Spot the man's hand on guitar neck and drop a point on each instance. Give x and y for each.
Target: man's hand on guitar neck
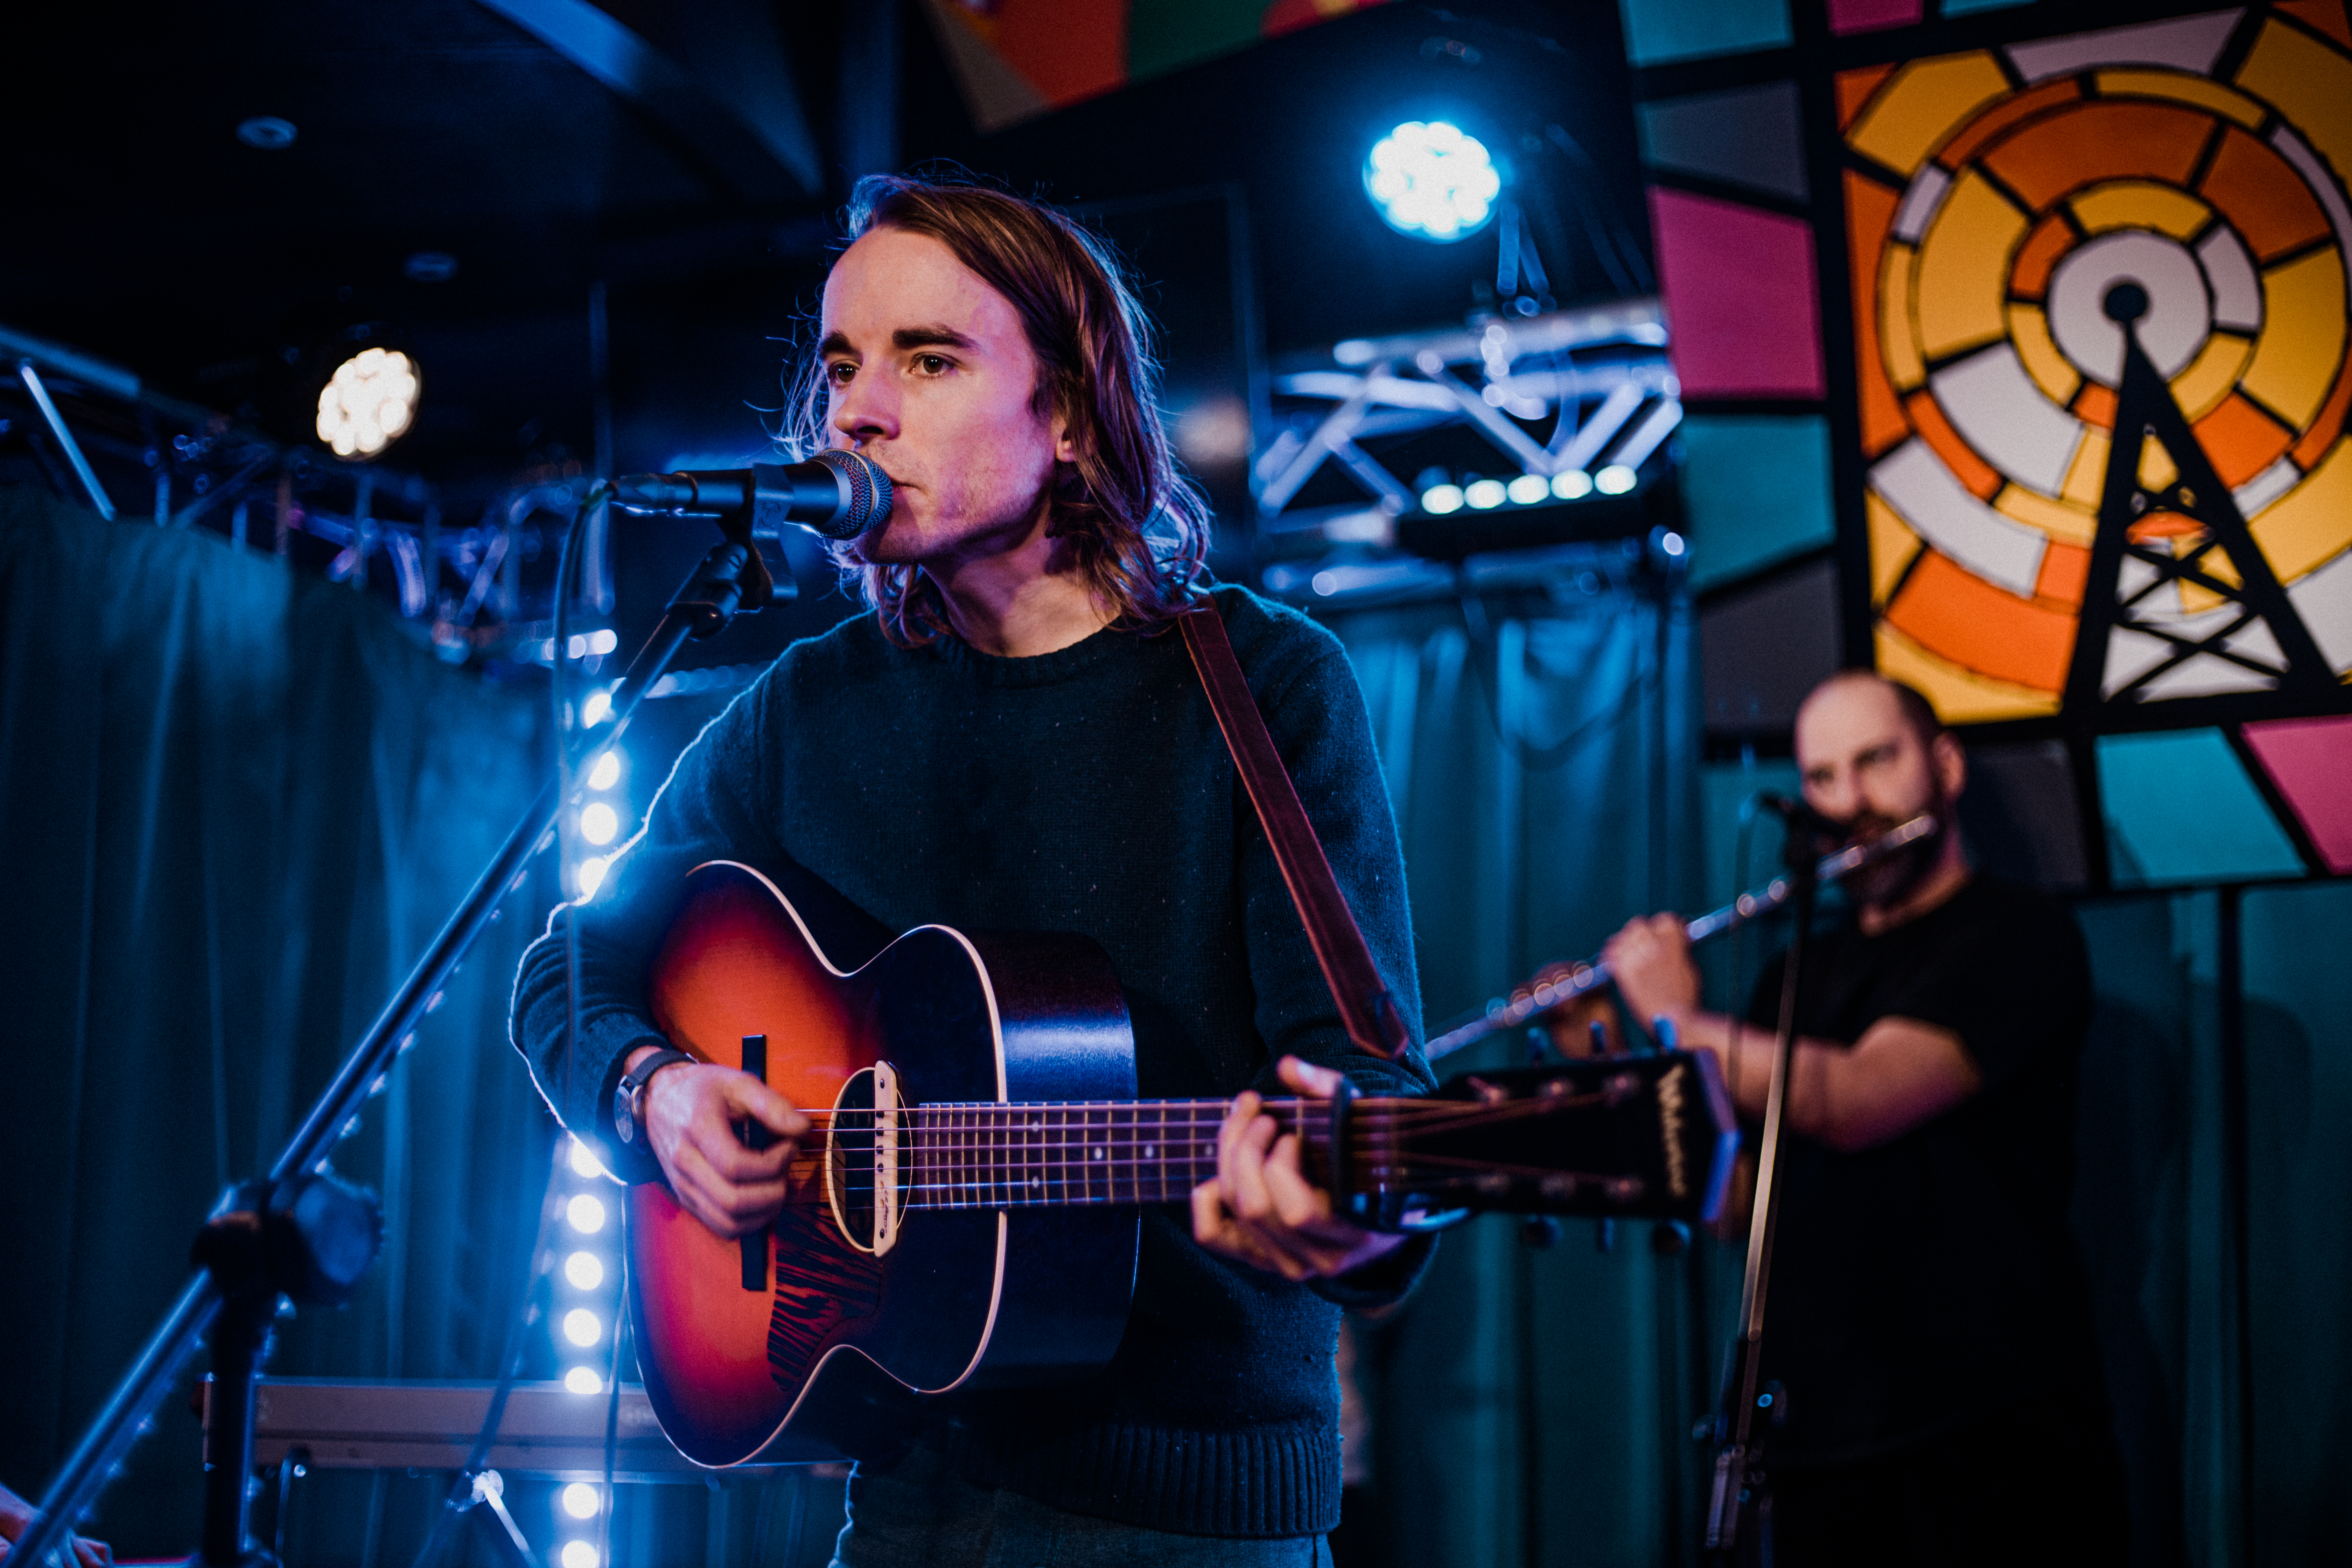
(1262, 1210)
(691, 1112)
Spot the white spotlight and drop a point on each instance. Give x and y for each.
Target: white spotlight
(1439, 499)
(584, 1270)
(582, 1327)
(1573, 485)
(1528, 489)
(583, 1161)
(584, 1379)
(606, 771)
(1613, 480)
(587, 1215)
(367, 402)
(579, 1554)
(581, 1501)
(590, 874)
(1485, 494)
(1432, 182)
(598, 822)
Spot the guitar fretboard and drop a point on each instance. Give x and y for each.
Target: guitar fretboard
(1010, 1156)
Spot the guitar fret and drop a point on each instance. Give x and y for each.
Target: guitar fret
(994, 1155)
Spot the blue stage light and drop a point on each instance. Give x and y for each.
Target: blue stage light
(1439, 499)
(1432, 182)
(1528, 489)
(1613, 480)
(1484, 495)
(1573, 484)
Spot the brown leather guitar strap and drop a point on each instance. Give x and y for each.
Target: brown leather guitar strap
(1365, 1006)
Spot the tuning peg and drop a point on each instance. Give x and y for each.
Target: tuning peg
(1539, 1231)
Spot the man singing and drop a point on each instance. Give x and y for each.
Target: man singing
(1928, 1321)
(1013, 737)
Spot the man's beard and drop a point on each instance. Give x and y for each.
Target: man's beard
(1894, 876)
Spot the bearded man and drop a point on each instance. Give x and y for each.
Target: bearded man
(1013, 738)
(1928, 1327)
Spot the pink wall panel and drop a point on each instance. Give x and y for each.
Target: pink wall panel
(2310, 760)
(1869, 15)
(1740, 298)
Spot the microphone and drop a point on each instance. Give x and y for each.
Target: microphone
(836, 494)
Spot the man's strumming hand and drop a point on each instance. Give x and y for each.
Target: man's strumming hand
(1261, 1208)
(691, 1109)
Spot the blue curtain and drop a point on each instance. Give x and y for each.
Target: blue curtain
(1534, 1405)
(235, 803)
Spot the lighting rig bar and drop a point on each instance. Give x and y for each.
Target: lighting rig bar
(1572, 403)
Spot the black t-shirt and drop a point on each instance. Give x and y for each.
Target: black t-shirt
(1923, 1283)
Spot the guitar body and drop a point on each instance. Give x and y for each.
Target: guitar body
(836, 1354)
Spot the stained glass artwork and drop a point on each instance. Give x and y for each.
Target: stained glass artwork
(2146, 224)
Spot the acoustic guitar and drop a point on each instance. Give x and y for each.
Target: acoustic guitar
(964, 1211)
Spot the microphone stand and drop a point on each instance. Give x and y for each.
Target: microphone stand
(299, 1231)
(1741, 1489)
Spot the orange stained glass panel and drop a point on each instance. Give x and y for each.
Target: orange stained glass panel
(1869, 214)
(2007, 112)
(2240, 440)
(2095, 405)
(1855, 88)
(1952, 612)
(2261, 195)
(1983, 481)
(2050, 239)
(2326, 426)
(2065, 569)
(2095, 142)
(2325, 16)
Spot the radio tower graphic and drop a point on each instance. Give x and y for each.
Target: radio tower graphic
(2185, 529)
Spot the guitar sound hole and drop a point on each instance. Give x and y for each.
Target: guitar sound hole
(852, 1160)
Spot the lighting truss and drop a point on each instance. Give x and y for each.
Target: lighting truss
(1561, 397)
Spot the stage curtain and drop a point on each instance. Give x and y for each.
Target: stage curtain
(1534, 1405)
(235, 803)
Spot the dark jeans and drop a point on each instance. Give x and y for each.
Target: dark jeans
(921, 1514)
(2040, 1482)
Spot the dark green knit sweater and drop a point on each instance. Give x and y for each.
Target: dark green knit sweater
(1089, 791)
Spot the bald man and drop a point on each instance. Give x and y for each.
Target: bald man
(1928, 1321)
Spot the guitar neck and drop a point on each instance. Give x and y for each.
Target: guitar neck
(1050, 1154)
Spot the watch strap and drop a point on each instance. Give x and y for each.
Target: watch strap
(625, 1124)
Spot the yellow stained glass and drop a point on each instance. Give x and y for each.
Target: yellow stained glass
(2088, 475)
(2202, 91)
(1959, 696)
(1926, 102)
(1898, 334)
(2068, 524)
(1963, 275)
(1892, 546)
(2156, 466)
(2141, 203)
(2311, 85)
(2052, 371)
(2211, 375)
(2312, 522)
(2302, 343)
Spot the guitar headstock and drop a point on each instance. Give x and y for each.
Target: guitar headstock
(1607, 1137)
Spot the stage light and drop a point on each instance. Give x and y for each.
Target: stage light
(1575, 484)
(1485, 495)
(1673, 543)
(367, 402)
(584, 1379)
(595, 708)
(598, 822)
(579, 1554)
(582, 1327)
(1528, 489)
(587, 1215)
(1439, 499)
(606, 771)
(1432, 182)
(1613, 480)
(590, 874)
(584, 1270)
(581, 1501)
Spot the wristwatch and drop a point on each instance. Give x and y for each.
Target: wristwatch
(629, 1094)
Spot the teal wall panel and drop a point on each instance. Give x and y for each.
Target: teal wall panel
(1657, 31)
(1756, 489)
(2179, 808)
(1751, 136)
(1963, 7)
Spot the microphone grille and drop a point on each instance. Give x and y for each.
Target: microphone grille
(869, 493)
